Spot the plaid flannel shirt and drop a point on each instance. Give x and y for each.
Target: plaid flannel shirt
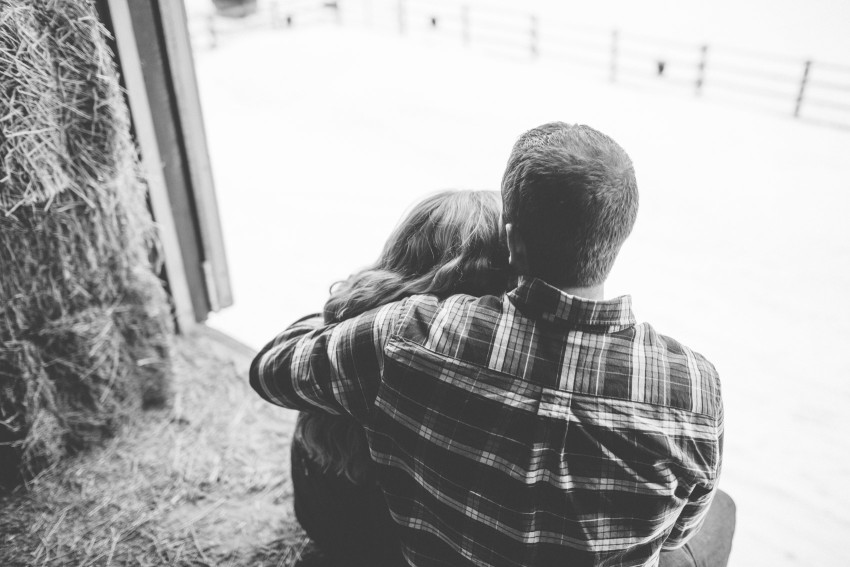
(536, 428)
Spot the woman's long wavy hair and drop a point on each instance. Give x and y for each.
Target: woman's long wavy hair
(447, 244)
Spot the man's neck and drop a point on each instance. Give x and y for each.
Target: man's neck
(596, 292)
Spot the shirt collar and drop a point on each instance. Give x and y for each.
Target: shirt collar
(536, 297)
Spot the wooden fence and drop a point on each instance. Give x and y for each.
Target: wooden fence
(816, 91)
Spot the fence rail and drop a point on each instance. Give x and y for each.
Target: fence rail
(806, 89)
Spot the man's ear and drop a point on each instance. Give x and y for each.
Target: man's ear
(517, 254)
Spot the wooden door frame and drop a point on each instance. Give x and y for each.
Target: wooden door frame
(154, 56)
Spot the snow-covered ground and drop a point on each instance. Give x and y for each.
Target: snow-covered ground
(320, 137)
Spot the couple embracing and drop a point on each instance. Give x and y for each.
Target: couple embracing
(473, 399)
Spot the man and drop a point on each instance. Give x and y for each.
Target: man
(543, 427)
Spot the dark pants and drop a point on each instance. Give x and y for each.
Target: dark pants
(351, 525)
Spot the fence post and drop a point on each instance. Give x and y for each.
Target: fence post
(615, 40)
(535, 51)
(401, 18)
(464, 21)
(212, 30)
(803, 81)
(701, 68)
(337, 12)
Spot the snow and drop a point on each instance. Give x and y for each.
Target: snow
(320, 137)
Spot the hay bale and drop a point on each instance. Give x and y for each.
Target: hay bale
(29, 125)
(85, 330)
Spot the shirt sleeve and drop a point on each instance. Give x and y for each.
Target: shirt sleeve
(693, 515)
(335, 368)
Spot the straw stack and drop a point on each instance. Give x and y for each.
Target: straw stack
(85, 324)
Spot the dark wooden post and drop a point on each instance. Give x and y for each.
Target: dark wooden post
(806, 68)
(701, 68)
(464, 23)
(535, 37)
(615, 40)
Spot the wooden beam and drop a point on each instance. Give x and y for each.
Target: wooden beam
(189, 112)
(146, 137)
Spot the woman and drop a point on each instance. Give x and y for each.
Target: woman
(447, 244)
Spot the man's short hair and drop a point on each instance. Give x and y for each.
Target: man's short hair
(571, 192)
